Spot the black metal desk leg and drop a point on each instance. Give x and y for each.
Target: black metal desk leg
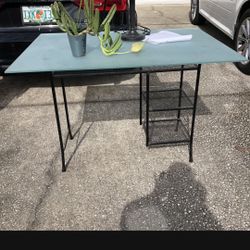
(147, 109)
(58, 122)
(180, 96)
(194, 113)
(66, 109)
(140, 98)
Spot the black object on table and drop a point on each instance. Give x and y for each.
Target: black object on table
(132, 34)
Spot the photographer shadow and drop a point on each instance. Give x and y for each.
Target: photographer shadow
(176, 204)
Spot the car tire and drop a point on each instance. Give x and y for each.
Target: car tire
(194, 16)
(242, 42)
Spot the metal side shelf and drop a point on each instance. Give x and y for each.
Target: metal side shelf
(163, 127)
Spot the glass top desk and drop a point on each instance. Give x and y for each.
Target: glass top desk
(55, 58)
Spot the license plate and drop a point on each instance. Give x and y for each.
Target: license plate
(37, 15)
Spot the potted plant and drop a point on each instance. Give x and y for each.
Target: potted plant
(76, 29)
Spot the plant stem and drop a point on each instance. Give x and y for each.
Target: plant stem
(79, 12)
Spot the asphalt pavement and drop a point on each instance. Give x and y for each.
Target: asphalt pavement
(113, 181)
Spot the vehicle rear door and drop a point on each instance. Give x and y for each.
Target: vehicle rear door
(224, 13)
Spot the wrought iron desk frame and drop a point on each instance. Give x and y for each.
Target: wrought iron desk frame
(140, 71)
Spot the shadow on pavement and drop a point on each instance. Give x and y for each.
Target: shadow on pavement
(14, 86)
(177, 203)
(9, 91)
(121, 102)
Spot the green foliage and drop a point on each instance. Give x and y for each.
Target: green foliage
(67, 24)
(92, 17)
(108, 45)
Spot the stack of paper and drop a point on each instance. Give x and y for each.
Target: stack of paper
(166, 37)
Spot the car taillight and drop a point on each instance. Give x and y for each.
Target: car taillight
(101, 4)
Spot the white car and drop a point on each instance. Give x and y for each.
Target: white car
(232, 17)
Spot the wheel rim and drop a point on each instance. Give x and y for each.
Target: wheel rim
(243, 39)
(194, 8)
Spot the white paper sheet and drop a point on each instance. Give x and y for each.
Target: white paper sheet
(166, 37)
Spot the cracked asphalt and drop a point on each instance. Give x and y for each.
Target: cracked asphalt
(113, 182)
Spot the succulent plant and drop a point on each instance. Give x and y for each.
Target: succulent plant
(67, 24)
(108, 44)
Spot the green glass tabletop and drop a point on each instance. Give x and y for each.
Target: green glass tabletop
(51, 53)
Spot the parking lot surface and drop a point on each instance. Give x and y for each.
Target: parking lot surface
(113, 181)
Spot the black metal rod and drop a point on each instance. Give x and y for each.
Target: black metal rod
(194, 113)
(58, 122)
(147, 108)
(168, 90)
(66, 109)
(119, 71)
(164, 120)
(172, 109)
(140, 98)
(132, 34)
(132, 15)
(185, 130)
(163, 90)
(180, 97)
(169, 142)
